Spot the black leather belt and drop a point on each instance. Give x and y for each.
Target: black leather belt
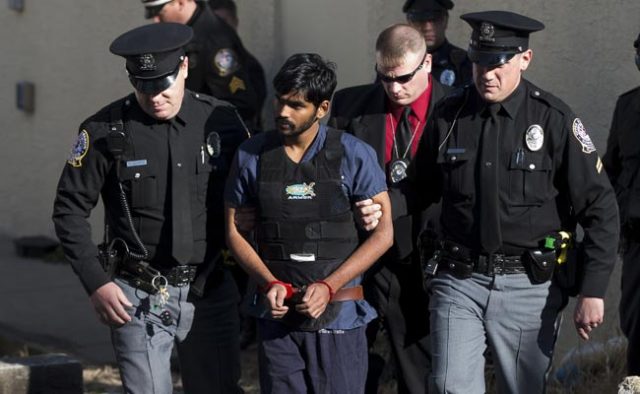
(453, 254)
(141, 275)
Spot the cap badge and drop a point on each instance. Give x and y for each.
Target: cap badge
(448, 77)
(534, 137)
(487, 32)
(583, 138)
(146, 62)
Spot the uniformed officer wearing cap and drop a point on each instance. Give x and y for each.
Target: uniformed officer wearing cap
(158, 158)
(219, 64)
(450, 64)
(513, 166)
(622, 162)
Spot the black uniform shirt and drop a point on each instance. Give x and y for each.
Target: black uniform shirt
(450, 65)
(545, 185)
(145, 174)
(220, 66)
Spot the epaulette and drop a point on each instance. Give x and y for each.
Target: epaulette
(632, 91)
(214, 102)
(549, 99)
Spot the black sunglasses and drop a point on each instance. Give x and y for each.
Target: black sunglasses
(401, 79)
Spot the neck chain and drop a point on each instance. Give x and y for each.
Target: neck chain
(395, 144)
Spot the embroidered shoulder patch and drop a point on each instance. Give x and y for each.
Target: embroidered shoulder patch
(80, 149)
(583, 138)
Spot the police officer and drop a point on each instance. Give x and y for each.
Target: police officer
(513, 166)
(219, 64)
(622, 162)
(308, 261)
(390, 115)
(450, 64)
(157, 157)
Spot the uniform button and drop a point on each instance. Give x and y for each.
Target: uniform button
(455, 249)
(137, 175)
(536, 93)
(454, 158)
(488, 164)
(127, 102)
(452, 266)
(532, 166)
(179, 165)
(197, 95)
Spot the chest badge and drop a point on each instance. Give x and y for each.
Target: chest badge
(300, 191)
(448, 77)
(214, 144)
(534, 137)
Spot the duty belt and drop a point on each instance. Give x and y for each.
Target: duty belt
(141, 275)
(491, 265)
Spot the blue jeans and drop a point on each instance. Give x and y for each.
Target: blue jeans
(143, 345)
(518, 320)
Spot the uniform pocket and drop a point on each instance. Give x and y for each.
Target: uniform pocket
(203, 174)
(457, 173)
(141, 186)
(529, 178)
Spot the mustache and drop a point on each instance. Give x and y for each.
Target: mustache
(284, 121)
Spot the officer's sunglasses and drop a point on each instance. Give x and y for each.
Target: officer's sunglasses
(401, 79)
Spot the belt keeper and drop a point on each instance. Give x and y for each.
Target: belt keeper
(287, 286)
(331, 292)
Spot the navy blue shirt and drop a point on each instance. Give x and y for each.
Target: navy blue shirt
(362, 178)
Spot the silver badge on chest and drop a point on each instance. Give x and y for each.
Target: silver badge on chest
(534, 137)
(398, 170)
(214, 144)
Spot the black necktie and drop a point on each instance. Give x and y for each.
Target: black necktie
(403, 135)
(489, 220)
(182, 231)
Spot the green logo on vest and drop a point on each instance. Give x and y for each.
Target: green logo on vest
(300, 191)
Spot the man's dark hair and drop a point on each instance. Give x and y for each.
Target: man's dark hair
(308, 74)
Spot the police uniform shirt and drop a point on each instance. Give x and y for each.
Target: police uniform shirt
(219, 64)
(547, 166)
(145, 172)
(362, 178)
(450, 65)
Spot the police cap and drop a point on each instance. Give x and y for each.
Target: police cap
(498, 35)
(420, 10)
(153, 54)
(153, 7)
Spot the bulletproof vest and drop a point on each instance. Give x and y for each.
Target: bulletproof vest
(304, 211)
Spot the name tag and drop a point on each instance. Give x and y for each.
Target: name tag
(136, 163)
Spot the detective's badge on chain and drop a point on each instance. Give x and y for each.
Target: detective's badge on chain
(79, 150)
(534, 137)
(398, 170)
(583, 138)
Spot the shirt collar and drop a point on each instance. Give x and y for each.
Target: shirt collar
(511, 104)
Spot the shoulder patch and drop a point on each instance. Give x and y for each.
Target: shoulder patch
(236, 84)
(583, 138)
(225, 62)
(79, 150)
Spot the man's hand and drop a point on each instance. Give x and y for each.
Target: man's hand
(589, 313)
(368, 214)
(245, 219)
(315, 300)
(275, 298)
(110, 302)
